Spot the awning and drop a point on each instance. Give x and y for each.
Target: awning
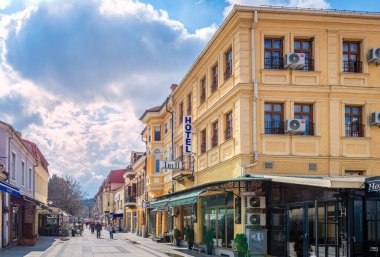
(159, 203)
(8, 188)
(320, 181)
(187, 198)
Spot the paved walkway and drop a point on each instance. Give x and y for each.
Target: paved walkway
(123, 244)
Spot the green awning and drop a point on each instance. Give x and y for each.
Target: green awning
(159, 203)
(187, 198)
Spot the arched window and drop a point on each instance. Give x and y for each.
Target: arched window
(157, 161)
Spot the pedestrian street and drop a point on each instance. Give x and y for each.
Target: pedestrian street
(81, 246)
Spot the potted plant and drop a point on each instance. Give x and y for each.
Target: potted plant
(177, 236)
(209, 241)
(190, 237)
(240, 245)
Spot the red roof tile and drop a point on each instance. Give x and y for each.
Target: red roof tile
(116, 176)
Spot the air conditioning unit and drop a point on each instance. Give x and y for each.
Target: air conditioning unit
(256, 202)
(295, 126)
(374, 119)
(374, 55)
(256, 219)
(294, 61)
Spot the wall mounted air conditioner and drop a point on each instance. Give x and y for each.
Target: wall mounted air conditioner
(256, 219)
(294, 61)
(374, 55)
(256, 202)
(295, 126)
(374, 119)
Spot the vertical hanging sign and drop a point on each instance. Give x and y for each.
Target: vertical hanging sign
(187, 130)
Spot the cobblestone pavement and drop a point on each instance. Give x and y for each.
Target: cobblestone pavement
(82, 246)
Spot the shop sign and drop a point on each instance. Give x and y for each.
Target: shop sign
(248, 194)
(372, 186)
(171, 165)
(187, 130)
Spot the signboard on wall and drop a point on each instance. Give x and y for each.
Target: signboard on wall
(171, 165)
(372, 187)
(187, 134)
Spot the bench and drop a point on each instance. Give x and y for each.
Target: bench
(199, 248)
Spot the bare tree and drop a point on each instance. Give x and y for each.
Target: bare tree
(66, 194)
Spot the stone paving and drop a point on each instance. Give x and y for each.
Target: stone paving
(89, 246)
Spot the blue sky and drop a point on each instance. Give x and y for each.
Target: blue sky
(75, 75)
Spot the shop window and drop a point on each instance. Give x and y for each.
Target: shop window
(354, 172)
(203, 91)
(373, 221)
(305, 111)
(354, 126)
(274, 116)
(214, 85)
(305, 46)
(228, 131)
(214, 139)
(228, 59)
(273, 54)
(351, 57)
(157, 132)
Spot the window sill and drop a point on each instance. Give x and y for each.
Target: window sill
(356, 138)
(358, 74)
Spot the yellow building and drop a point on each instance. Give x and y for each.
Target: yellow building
(118, 209)
(285, 107)
(135, 194)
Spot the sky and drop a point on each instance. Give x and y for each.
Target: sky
(76, 75)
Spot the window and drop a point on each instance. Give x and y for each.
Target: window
(214, 139)
(273, 54)
(165, 127)
(228, 132)
(23, 173)
(30, 178)
(353, 121)
(305, 111)
(351, 57)
(13, 165)
(228, 57)
(203, 141)
(214, 85)
(181, 113)
(274, 115)
(305, 46)
(157, 132)
(203, 90)
(180, 153)
(157, 161)
(189, 104)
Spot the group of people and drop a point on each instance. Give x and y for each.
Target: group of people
(98, 227)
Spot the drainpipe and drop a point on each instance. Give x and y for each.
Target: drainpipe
(255, 97)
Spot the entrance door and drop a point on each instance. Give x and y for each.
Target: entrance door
(297, 233)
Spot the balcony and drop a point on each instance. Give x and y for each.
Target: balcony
(274, 127)
(352, 66)
(187, 170)
(274, 63)
(355, 129)
(130, 201)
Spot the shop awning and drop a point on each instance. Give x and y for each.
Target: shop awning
(320, 181)
(159, 203)
(186, 198)
(8, 188)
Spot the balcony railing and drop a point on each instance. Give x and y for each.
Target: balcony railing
(354, 129)
(309, 129)
(309, 65)
(129, 199)
(203, 147)
(214, 141)
(187, 162)
(352, 66)
(274, 63)
(228, 133)
(274, 127)
(227, 73)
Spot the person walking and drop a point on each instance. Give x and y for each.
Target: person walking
(110, 230)
(92, 227)
(98, 228)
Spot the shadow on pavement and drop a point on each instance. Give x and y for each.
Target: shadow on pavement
(41, 246)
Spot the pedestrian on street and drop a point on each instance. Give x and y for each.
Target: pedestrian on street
(98, 228)
(110, 230)
(92, 227)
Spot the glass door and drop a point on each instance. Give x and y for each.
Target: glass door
(296, 231)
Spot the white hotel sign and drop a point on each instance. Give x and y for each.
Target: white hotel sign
(187, 136)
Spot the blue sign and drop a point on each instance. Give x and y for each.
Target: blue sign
(187, 134)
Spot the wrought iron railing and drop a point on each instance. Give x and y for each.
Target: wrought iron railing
(354, 129)
(309, 65)
(274, 127)
(352, 66)
(274, 63)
